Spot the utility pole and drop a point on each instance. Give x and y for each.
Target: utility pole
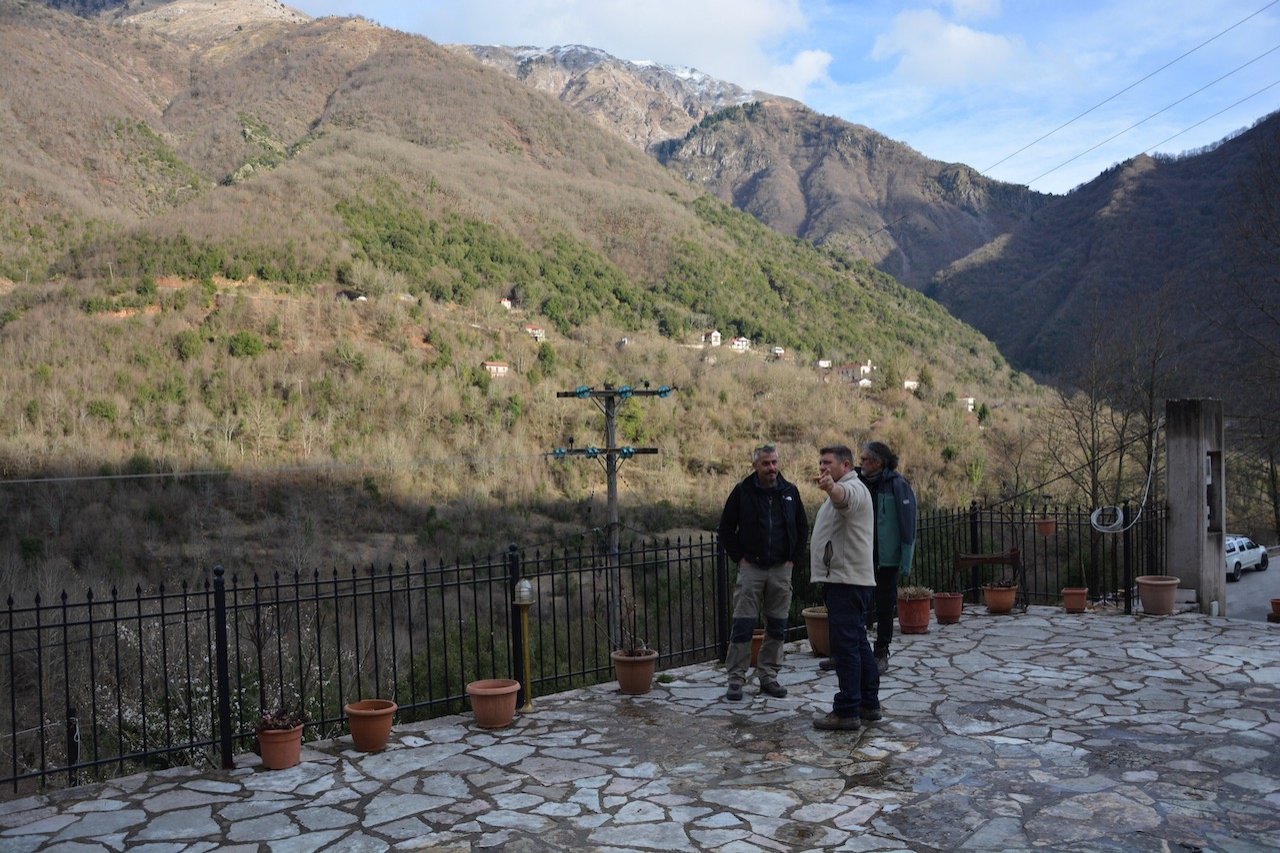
(606, 399)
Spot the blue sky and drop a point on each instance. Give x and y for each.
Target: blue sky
(970, 81)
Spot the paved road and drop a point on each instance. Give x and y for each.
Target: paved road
(1250, 598)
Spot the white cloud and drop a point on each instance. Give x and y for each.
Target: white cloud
(971, 10)
(933, 52)
(809, 68)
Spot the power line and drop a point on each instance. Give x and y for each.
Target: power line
(1154, 114)
(1215, 115)
(1127, 88)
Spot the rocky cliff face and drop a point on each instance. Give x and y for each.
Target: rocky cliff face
(644, 102)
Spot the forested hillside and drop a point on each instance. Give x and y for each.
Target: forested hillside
(250, 285)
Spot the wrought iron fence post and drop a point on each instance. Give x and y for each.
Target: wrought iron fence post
(975, 546)
(223, 675)
(517, 641)
(73, 747)
(1127, 557)
(722, 601)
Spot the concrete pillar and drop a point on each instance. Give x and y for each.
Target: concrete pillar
(1197, 501)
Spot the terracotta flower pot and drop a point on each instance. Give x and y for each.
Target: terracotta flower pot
(913, 615)
(999, 599)
(370, 723)
(1157, 593)
(947, 607)
(1075, 598)
(280, 748)
(494, 701)
(635, 671)
(1046, 526)
(757, 639)
(815, 623)
(1275, 605)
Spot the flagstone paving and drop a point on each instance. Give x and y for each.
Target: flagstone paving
(1043, 730)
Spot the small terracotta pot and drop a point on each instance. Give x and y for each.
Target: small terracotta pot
(1157, 593)
(913, 615)
(999, 599)
(1046, 526)
(815, 623)
(635, 672)
(757, 639)
(1275, 605)
(947, 607)
(370, 723)
(1075, 598)
(494, 701)
(280, 748)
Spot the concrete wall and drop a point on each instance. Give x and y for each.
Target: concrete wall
(1197, 501)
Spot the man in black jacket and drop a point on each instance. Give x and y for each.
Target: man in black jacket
(764, 530)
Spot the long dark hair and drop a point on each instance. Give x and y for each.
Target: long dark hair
(883, 453)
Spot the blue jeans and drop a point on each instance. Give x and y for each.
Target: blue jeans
(856, 671)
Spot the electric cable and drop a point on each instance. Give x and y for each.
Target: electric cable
(1153, 115)
(1130, 86)
(1215, 115)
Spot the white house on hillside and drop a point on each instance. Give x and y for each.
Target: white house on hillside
(740, 344)
(497, 369)
(711, 338)
(911, 384)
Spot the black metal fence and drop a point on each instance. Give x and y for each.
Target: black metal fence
(1059, 547)
(101, 687)
(97, 688)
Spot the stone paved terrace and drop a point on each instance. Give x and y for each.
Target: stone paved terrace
(1032, 731)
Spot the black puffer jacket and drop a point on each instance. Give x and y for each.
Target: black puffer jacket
(745, 530)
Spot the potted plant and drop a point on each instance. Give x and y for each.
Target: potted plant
(280, 737)
(1046, 527)
(913, 609)
(1000, 594)
(947, 606)
(815, 623)
(370, 723)
(1075, 594)
(633, 661)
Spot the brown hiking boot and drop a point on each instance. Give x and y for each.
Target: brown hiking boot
(832, 723)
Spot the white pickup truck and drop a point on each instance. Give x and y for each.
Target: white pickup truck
(1243, 553)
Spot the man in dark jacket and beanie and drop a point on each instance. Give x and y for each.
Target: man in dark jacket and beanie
(764, 530)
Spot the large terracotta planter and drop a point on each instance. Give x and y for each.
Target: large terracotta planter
(757, 640)
(1075, 598)
(913, 615)
(1046, 526)
(494, 701)
(1275, 605)
(1157, 592)
(999, 599)
(370, 723)
(635, 671)
(947, 607)
(280, 748)
(815, 624)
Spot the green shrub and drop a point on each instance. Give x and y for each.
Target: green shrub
(103, 410)
(244, 344)
(188, 344)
